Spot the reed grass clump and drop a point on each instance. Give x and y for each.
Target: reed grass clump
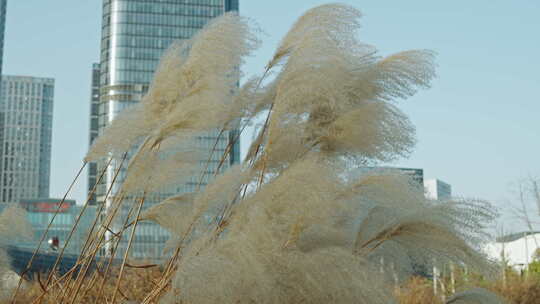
(303, 219)
(14, 227)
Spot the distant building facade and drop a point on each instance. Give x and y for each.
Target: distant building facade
(517, 250)
(94, 130)
(415, 174)
(40, 212)
(26, 113)
(134, 35)
(437, 189)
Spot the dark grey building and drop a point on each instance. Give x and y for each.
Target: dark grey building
(3, 5)
(134, 35)
(26, 111)
(417, 175)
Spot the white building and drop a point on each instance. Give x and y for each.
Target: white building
(437, 189)
(517, 249)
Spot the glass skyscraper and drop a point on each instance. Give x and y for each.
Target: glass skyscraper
(134, 35)
(26, 110)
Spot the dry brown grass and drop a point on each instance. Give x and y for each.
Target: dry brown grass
(519, 289)
(417, 290)
(135, 285)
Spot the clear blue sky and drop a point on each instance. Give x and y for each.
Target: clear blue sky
(478, 127)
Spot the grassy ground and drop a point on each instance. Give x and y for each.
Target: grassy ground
(516, 289)
(137, 283)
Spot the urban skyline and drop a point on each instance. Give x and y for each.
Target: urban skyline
(478, 98)
(329, 164)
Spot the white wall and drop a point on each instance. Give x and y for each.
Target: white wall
(518, 253)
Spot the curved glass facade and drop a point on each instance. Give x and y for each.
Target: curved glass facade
(134, 35)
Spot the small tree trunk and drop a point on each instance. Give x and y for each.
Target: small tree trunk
(452, 279)
(435, 279)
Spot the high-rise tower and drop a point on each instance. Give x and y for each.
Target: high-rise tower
(26, 110)
(134, 35)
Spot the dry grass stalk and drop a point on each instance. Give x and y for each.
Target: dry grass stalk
(127, 250)
(46, 230)
(113, 254)
(76, 224)
(89, 241)
(85, 266)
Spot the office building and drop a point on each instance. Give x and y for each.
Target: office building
(26, 111)
(134, 35)
(437, 189)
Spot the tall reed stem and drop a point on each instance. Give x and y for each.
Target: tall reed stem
(86, 265)
(59, 257)
(113, 253)
(127, 249)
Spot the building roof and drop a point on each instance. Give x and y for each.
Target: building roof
(514, 236)
(47, 200)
